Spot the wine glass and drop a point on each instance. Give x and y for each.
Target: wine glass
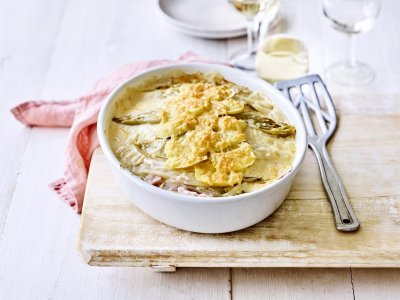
(254, 11)
(351, 17)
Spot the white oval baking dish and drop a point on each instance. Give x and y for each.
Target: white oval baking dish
(202, 214)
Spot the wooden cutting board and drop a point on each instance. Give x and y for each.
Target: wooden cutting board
(301, 233)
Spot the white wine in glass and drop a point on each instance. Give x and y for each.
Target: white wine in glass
(249, 8)
(253, 10)
(281, 57)
(351, 17)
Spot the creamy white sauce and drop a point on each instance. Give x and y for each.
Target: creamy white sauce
(273, 155)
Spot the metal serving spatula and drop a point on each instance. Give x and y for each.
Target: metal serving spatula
(312, 99)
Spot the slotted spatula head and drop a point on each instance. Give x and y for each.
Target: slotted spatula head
(311, 97)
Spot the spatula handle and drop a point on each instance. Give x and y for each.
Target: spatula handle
(345, 218)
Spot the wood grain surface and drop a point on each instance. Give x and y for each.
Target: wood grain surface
(300, 233)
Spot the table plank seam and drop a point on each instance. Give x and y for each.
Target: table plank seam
(15, 184)
(54, 45)
(352, 283)
(43, 84)
(230, 284)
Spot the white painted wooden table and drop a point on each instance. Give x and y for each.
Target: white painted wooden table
(55, 49)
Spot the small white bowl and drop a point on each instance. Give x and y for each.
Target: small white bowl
(202, 214)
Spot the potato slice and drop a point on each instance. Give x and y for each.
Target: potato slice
(225, 168)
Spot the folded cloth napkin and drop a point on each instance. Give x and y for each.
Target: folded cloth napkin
(81, 115)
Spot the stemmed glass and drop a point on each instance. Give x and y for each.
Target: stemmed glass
(254, 11)
(351, 17)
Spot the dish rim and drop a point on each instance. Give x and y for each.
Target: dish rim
(112, 97)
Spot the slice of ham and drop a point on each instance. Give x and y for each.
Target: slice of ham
(158, 181)
(183, 190)
(154, 180)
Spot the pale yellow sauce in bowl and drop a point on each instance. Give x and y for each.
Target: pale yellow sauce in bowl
(200, 134)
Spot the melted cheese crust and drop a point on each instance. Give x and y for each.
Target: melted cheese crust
(199, 140)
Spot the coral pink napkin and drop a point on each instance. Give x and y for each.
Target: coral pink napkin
(81, 115)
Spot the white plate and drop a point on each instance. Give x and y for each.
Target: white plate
(203, 18)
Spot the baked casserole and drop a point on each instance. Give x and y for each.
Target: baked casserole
(201, 135)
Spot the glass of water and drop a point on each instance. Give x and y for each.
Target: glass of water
(351, 17)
